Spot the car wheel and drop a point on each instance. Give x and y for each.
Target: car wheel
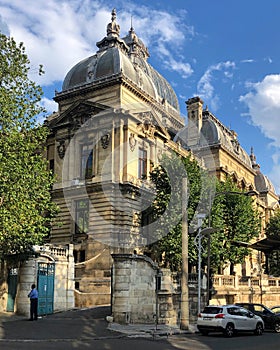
(259, 329)
(277, 327)
(204, 332)
(229, 330)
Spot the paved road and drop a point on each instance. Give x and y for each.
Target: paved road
(87, 329)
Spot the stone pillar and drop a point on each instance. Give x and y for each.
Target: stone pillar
(70, 296)
(133, 289)
(27, 276)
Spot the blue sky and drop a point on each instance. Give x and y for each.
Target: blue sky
(226, 52)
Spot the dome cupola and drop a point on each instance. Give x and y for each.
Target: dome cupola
(122, 57)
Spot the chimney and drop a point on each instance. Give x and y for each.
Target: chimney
(194, 108)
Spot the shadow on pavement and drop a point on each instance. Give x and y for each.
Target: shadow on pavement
(75, 324)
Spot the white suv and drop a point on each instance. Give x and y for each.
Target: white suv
(228, 319)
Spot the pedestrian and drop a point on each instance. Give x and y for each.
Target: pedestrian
(33, 295)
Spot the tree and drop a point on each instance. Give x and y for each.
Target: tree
(232, 215)
(273, 226)
(235, 220)
(167, 179)
(26, 209)
(273, 231)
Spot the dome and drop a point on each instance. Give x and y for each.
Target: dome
(263, 184)
(212, 133)
(125, 57)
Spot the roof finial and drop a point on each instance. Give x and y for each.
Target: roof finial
(113, 29)
(131, 31)
(114, 15)
(252, 156)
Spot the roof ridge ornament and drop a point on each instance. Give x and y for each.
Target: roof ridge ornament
(113, 36)
(113, 28)
(136, 46)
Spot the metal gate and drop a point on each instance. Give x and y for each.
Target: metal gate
(12, 289)
(45, 283)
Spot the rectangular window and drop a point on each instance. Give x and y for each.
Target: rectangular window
(81, 216)
(86, 162)
(142, 165)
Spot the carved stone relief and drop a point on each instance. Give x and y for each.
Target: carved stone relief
(61, 148)
(132, 142)
(105, 140)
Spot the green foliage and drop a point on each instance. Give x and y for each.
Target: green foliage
(26, 209)
(236, 220)
(232, 215)
(168, 182)
(273, 231)
(273, 226)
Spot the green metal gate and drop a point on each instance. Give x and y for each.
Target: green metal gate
(45, 283)
(12, 289)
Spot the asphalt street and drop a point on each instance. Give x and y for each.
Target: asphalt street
(88, 329)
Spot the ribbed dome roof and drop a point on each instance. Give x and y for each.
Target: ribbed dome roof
(213, 132)
(263, 184)
(126, 57)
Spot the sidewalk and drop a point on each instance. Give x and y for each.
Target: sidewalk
(149, 330)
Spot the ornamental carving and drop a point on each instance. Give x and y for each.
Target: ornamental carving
(105, 140)
(61, 148)
(147, 129)
(147, 126)
(132, 142)
(236, 146)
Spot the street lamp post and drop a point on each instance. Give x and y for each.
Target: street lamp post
(201, 232)
(200, 219)
(185, 269)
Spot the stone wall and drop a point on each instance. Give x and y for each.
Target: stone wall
(62, 257)
(133, 289)
(262, 289)
(135, 298)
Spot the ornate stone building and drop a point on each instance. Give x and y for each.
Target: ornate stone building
(116, 116)
(223, 156)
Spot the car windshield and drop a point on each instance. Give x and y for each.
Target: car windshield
(263, 309)
(212, 310)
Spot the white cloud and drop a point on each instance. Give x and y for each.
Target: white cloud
(249, 60)
(49, 105)
(58, 33)
(274, 173)
(263, 102)
(268, 59)
(205, 86)
(4, 29)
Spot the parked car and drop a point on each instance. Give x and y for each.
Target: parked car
(271, 319)
(275, 309)
(228, 319)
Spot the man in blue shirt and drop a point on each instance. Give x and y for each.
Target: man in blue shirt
(33, 295)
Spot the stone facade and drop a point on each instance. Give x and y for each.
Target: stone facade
(116, 117)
